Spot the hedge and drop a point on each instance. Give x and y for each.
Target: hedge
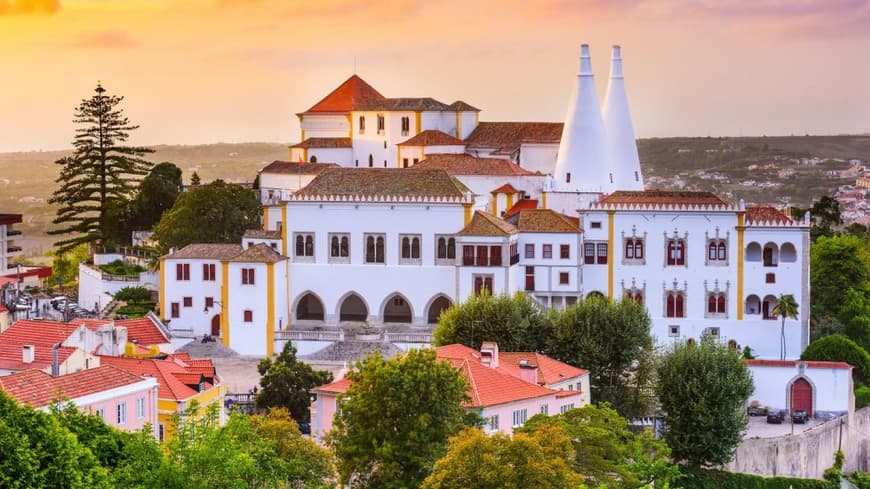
(717, 479)
(862, 397)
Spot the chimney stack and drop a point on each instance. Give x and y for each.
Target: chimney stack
(621, 142)
(55, 365)
(489, 354)
(28, 353)
(583, 161)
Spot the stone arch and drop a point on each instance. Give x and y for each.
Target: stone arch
(352, 307)
(396, 308)
(767, 305)
(436, 306)
(802, 380)
(309, 306)
(752, 305)
(753, 251)
(787, 253)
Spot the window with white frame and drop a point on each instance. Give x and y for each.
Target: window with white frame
(717, 305)
(493, 422)
(676, 252)
(545, 409)
(530, 250)
(520, 417)
(339, 248)
(209, 273)
(566, 407)
(375, 244)
(140, 408)
(409, 249)
(122, 413)
(547, 251)
(675, 304)
(633, 250)
(303, 249)
(717, 252)
(248, 277)
(674, 331)
(100, 413)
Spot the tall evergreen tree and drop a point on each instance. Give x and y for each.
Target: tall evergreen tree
(100, 175)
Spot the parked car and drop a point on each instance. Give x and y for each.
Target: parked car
(799, 416)
(776, 417)
(757, 410)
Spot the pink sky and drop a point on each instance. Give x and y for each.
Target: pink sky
(201, 71)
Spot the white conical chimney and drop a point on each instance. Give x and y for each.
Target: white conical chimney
(583, 161)
(620, 131)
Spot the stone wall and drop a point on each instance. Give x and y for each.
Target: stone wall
(808, 454)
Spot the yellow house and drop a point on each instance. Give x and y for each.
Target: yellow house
(181, 382)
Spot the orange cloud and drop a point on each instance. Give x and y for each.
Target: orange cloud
(109, 39)
(11, 7)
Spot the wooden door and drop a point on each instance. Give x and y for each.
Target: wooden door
(216, 325)
(802, 396)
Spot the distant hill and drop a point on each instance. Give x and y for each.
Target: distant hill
(27, 179)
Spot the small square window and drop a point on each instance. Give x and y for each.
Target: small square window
(563, 278)
(188, 301)
(530, 250)
(673, 331)
(547, 251)
(564, 251)
(595, 225)
(209, 302)
(249, 316)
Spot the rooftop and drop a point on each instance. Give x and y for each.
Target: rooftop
(662, 197)
(793, 363)
(262, 234)
(324, 143)
(170, 385)
(460, 106)
(206, 251)
(550, 371)
(465, 164)
(350, 95)
(403, 104)
(144, 331)
(381, 182)
(506, 189)
(432, 137)
(506, 137)
(38, 389)
(259, 253)
(521, 205)
(305, 168)
(762, 214)
(485, 224)
(542, 221)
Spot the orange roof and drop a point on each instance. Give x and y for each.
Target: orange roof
(763, 214)
(141, 330)
(543, 221)
(521, 205)
(432, 137)
(324, 143)
(384, 183)
(169, 385)
(288, 167)
(506, 137)
(662, 197)
(550, 371)
(43, 335)
(505, 189)
(792, 363)
(353, 93)
(485, 224)
(338, 387)
(38, 388)
(465, 164)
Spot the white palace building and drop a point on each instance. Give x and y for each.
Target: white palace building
(392, 209)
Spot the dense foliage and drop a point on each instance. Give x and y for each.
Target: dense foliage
(120, 267)
(703, 390)
(840, 281)
(287, 382)
(838, 348)
(396, 418)
(217, 212)
(101, 175)
(717, 479)
(129, 294)
(516, 322)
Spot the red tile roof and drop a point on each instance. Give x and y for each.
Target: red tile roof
(43, 335)
(351, 94)
(793, 363)
(543, 221)
(38, 388)
(432, 137)
(460, 106)
(206, 251)
(382, 182)
(465, 164)
(404, 104)
(293, 168)
(763, 214)
(550, 371)
(169, 385)
(259, 253)
(662, 197)
(505, 189)
(506, 137)
(485, 224)
(142, 330)
(338, 387)
(521, 205)
(330, 143)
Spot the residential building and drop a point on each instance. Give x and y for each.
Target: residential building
(9, 249)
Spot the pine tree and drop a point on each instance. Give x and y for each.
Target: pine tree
(194, 179)
(102, 173)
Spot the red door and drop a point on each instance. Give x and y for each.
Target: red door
(216, 325)
(802, 396)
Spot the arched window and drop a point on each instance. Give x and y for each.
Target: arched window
(371, 161)
(406, 247)
(451, 249)
(309, 245)
(711, 251)
(721, 251)
(675, 305)
(379, 249)
(720, 304)
(634, 295)
(345, 248)
(370, 249)
(634, 249)
(442, 248)
(313, 159)
(716, 303)
(711, 304)
(676, 252)
(300, 245)
(415, 247)
(334, 248)
(638, 249)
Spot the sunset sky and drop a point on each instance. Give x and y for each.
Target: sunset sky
(202, 71)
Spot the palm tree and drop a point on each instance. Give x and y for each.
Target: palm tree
(785, 307)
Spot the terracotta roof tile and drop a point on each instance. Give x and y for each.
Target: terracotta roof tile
(37, 388)
(259, 253)
(505, 189)
(763, 214)
(662, 197)
(351, 94)
(338, 387)
(485, 224)
(542, 221)
(506, 137)
(330, 143)
(432, 137)
(288, 167)
(521, 205)
(465, 164)
(206, 251)
(381, 182)
(550, 371)
(404, 103)
(169, 386)
(141, 330)
(460, 106)
(262, 234)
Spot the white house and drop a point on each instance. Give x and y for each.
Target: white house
(819, 388)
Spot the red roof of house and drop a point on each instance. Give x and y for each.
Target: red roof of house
(762, 214)
(543, 221)
(432, 137)
(465, 164)
(485, 224)
(792, 363)
(662, 197)
(142, 330)
(330, 143)
(353, 93)
(167, 372)
(550, 371)
(506, 137)
(338, 387)
(38, 388)
(520, 206)
(505, 189)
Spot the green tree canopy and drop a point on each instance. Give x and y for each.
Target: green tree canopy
(396, 418)
(217, 212)
(703, 390)
(540, 460)
(838, 348)
(157, 194)
(517, 322)
(100, 175)
(307, 463)
(287, 382)
(837, 264)
(612, 340)
(786, 308)
(195, 180)
(606, 452)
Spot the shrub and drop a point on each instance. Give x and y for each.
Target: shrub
(136, 309)
(862, 397)
(716, 479)
(119, 267)
(838, 348)
(133, 294)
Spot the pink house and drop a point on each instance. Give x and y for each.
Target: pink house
(125, 401)
(505, 389)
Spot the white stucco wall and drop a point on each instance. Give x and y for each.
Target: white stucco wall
(832, 387)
